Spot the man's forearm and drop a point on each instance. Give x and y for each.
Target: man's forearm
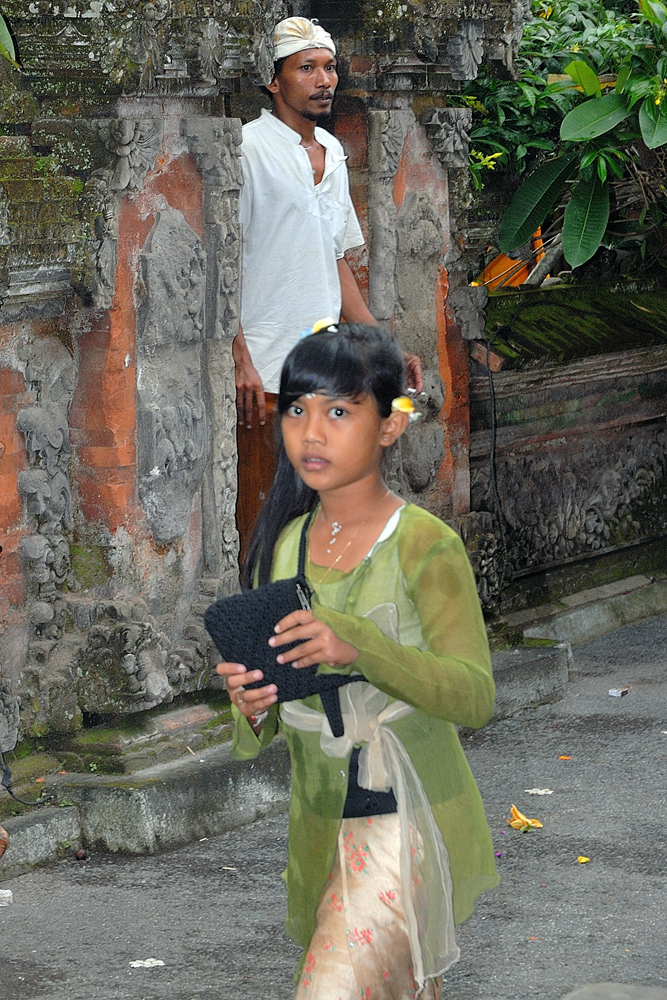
(354, 309)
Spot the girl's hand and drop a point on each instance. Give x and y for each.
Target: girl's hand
(249, 702)
(319, 644)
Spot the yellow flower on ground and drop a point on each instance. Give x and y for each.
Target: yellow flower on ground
(582, 860)
(521, 822)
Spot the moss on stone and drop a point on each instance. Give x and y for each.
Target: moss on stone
(89, 566)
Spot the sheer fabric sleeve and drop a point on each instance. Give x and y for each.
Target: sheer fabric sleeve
(245, 743)
(452, 678)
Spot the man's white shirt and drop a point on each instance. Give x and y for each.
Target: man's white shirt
(294, 232)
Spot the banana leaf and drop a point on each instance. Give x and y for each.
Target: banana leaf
(585, 221)
(533, 201)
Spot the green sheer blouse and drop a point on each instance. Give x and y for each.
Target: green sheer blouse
(417, 584)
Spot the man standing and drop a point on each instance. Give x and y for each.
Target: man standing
(297, 221)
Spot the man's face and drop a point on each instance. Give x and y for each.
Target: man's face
(306, 84)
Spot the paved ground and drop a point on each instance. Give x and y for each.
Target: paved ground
(213, 911)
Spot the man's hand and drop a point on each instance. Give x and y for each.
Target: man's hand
(413, 368)
(248, 383)
(318, 644)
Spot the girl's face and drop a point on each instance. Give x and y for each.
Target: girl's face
(335, 442)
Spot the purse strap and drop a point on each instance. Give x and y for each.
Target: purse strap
(303, 543)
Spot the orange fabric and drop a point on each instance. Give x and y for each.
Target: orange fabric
(505, 272)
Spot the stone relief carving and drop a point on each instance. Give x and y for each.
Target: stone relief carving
(9, 716)
(387, 132)
(125, 146)
(480, 537)
(465, 50)
(216, 144)
(574, 500)
(49, 371)
(172, 432)
(122, 666)
(448, 130)
(5, 229)
(119, 152)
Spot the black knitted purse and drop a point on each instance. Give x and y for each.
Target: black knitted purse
(242, 625)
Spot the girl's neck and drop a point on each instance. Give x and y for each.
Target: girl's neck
(351, 504)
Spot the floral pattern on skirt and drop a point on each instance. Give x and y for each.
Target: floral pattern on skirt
(360, 948)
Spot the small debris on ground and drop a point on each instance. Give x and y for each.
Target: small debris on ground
(4, 840)
(538, 791)
(582, 860)
(619, 692)
(6, 897)
(146, 963)
(81, 854)
(521, 822)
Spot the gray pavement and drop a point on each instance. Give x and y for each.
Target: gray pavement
(212, 911)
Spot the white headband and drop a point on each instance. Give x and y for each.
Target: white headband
(295, 34)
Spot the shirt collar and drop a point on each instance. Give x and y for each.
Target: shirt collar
(323, 137)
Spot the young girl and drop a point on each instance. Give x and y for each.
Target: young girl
(388, 843)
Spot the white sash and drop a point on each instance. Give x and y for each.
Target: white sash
(385, 764)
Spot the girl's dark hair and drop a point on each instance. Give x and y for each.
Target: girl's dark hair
(350, 360)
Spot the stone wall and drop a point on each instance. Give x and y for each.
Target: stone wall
(118, 433)
(119, 263)
(581, 459)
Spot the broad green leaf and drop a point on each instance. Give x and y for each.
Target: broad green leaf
(622, 78)
(585, 221)
(653, 123)
(593, 118)
(655, 12)
(584, 77)
(533, 201)
(7, 43)
(602, 168)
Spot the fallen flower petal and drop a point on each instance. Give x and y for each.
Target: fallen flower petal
(582, 860)
(565, 758)
(38, 780)
(499, 854)
(538, 791)
(521, 822)
(146, 963)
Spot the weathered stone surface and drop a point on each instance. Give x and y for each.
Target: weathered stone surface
(526, 677)
(39, 836)
(581, 456)
(180, 801)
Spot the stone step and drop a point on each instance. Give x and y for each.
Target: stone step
(592, 613)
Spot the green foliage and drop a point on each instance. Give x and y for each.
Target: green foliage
(7, 50)
(533, 202)
(560, 109)
(594, 118)
(586, 218)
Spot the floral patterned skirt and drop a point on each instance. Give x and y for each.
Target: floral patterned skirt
(360, 949)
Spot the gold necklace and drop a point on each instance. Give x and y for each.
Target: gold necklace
(354, 535)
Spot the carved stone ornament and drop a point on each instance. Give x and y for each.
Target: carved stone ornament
(216, 142)
(577, 499)
(49, 371)
(125, 146)
(448, 130)
(464, 32)
(9, 716)
(172, 425)
(466, 50)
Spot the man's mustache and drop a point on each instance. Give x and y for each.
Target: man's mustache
(325, 95)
